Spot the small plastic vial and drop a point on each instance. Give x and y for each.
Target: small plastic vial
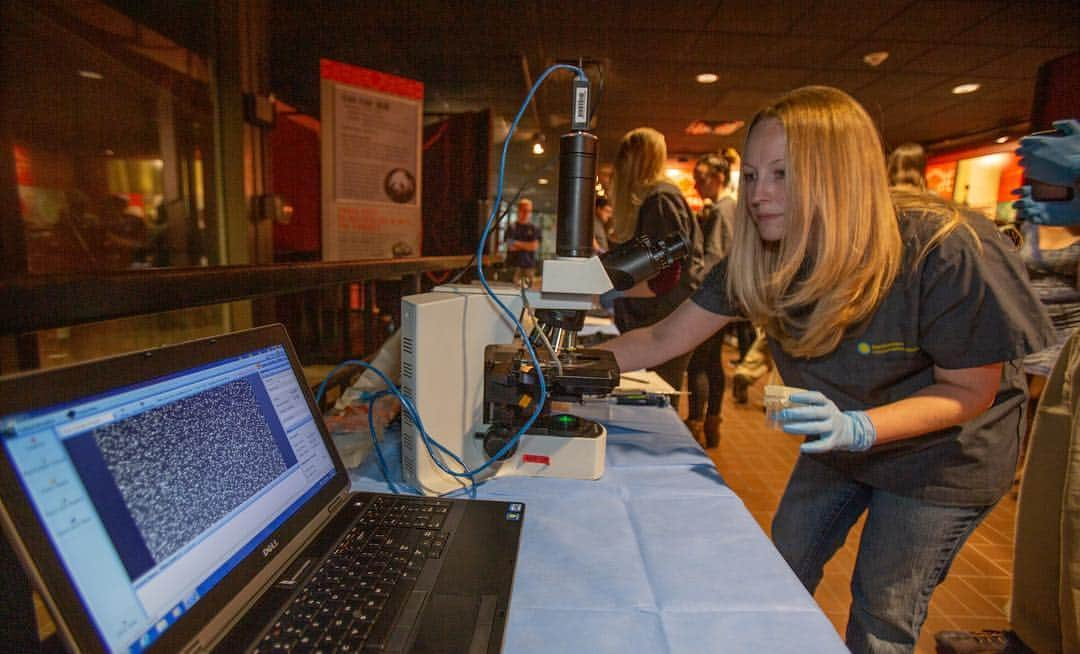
(778, 398)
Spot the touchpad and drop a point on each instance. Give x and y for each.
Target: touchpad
(456, 623)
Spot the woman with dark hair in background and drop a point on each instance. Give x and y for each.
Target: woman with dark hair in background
(705, 372)
(602, 224)
(904, 319)
(647, 203)
(907, 167)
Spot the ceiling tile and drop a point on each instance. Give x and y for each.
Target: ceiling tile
(896, 87)
(469, 55)
(842, 20)
(771, 80)
(768, 50)
(900, 53)
(760, 16)
(655, 44)
(1052, 23)
(934, 20)
(688, 17)
(954, 59)
(1019, 63)
(847, 80)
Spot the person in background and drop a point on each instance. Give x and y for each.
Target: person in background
(745, 334)
(601, 224)
(1044, 608)
(1051, 254)
(734, 164)
(647, 204)
(754, 360)
(907, 167)
(705, 372)
(755, 363)
(522, 242)
(127, 238)
(904, 319)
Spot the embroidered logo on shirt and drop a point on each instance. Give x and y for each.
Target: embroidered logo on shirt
(862, 347)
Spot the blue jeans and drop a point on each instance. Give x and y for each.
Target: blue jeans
(906, 549)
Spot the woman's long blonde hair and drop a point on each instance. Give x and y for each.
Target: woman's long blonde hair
(842, 249)
(639, 166)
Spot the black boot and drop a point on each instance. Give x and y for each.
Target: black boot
(739, 384)
(712, 431)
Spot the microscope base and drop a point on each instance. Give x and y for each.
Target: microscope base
(567, 457)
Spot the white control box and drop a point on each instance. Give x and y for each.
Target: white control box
(444, 334)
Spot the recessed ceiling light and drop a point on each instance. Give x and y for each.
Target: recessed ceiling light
(965, 88)
(707, 78)
(542, 181)
(1001, 139)
(90, 74)
(538, 144)
(875, 59)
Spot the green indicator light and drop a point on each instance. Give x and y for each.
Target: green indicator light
(564, 419)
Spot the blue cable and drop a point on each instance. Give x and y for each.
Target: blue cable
(375, 440)
(410, 408)
(483, 280)
(407, 404)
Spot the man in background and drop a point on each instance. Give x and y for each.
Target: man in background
(522, 242)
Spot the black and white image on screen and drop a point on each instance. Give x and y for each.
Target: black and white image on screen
(183, 466)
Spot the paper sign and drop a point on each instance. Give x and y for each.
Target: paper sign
(372, 127)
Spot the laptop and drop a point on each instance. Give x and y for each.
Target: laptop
(188, 498)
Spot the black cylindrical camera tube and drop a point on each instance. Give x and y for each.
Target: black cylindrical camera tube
(577, 195)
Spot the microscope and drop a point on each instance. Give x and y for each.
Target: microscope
(474, 387)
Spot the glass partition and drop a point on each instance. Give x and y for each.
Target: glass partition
(112, 134)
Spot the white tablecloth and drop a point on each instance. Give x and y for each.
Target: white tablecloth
(659, 555)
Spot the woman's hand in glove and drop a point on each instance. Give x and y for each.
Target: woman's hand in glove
(850, 431)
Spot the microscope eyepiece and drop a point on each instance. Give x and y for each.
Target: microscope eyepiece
(673, 247)
(641, 259)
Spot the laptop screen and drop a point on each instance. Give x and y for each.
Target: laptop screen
(152, 493)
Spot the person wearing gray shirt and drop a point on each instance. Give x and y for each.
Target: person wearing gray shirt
(905, 321)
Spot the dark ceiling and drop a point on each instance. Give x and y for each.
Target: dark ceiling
(478, 55)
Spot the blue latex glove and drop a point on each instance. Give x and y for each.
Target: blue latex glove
(1052, 158)
(1058, 213)
(851, 431)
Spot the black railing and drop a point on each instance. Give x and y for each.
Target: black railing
(35, 302)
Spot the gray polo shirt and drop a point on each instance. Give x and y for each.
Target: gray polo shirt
(956, 308)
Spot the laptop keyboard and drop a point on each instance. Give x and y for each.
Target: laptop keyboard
(351, 601)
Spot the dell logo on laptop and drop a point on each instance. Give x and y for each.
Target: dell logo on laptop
(269, 549)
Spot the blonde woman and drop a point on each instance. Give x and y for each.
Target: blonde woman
(646, 203)
(906, 322)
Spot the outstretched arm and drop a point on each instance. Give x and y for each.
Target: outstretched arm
(681, 331)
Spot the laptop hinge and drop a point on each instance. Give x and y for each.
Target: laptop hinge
(337, 502)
